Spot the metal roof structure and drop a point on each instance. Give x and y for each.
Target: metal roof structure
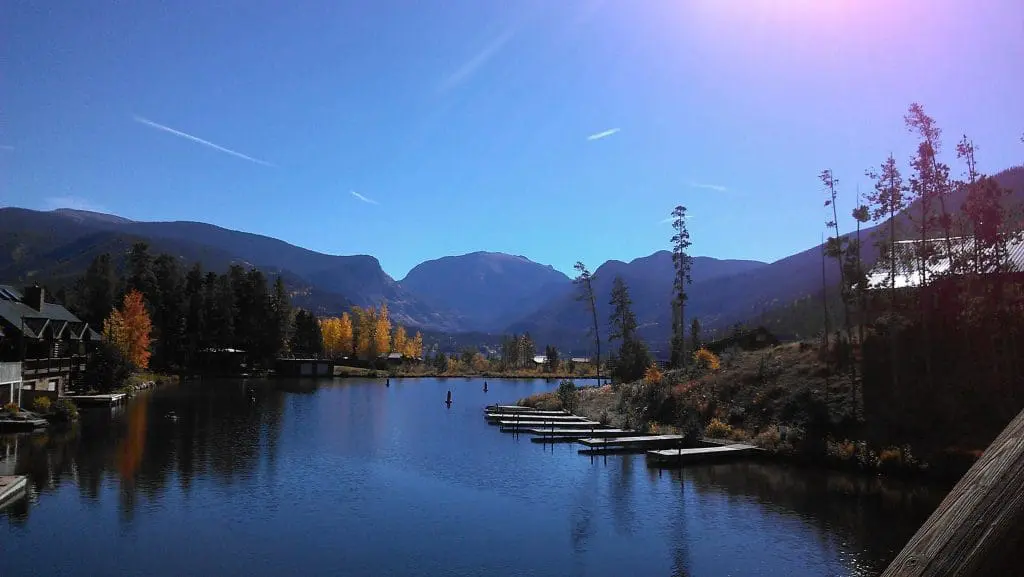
(908, 275)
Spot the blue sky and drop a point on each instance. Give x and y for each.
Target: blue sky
(464, 124)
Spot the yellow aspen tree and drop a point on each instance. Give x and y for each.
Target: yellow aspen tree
(330, 332)
(363, 330)
(345, 334)
(417, 346)
(382, 331)
(400, 341)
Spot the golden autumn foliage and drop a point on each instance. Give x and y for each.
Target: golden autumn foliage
(345, 334)
(400, 341)
(653, 376)
(368, 331)
(706, 359)
(382, 331)
(332, 331)
(480, 363)
(414, 347)
(129, 328)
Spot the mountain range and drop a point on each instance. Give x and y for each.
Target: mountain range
(482, 292)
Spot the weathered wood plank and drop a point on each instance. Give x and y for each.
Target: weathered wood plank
(636, 440)
(523, 425)
(682, 456)
(978, 529)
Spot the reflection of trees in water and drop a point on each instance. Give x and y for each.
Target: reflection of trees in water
(621, 479)
(872, 514)
(222, 429)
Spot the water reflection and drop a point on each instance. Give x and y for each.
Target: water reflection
(272, 477)
(167, 435)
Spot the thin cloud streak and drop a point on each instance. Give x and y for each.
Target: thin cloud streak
(6, 147)
(159, 126)
(471, 66)
(363, 198)
(604, 134)
(715, 187)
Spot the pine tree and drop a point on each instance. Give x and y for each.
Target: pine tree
(682, 262)
(887, 201)
(585, 280)
(140, 271)
(169, 310)
(632, 359)
(277, 330)
(96, 291)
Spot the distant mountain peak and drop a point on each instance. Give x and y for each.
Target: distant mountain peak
(79, 215)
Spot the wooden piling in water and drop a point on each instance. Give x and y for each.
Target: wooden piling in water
(978, 529)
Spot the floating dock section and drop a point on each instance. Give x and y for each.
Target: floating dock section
(628, 444)
(110, 400)
(701, 454)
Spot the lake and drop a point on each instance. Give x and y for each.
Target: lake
(349, 477)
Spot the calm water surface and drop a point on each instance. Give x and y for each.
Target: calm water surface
(349, 477)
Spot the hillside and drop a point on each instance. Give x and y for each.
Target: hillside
(785, 293)
(484, 287)
(58, 245)
(564, 319)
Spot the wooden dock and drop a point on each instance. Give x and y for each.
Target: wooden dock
(524, 425)
(571, 435)
(536, 418)
(98, 400)
(701, 454)
(630, 444)
(21, 425)
(12, 487)
(518, 409)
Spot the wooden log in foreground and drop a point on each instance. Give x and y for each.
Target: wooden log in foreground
(978, 529)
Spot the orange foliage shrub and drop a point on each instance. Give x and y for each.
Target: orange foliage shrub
(129, 328)
(653, 376)
(706, 359)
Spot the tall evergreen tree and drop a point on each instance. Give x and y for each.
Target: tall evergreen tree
(307, 340)
(585, 281)
(632, 359)
(195, 313)
(280, 320)
(682, 262)
(96, 291)
(168, 311)
(140, 275)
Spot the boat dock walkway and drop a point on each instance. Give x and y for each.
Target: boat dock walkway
(630, 444)
(98, 400)
(524, 417)
(598, 439)
(700, 454)
(12, 487)
(571, 435)
(524, 425)
(518, 409)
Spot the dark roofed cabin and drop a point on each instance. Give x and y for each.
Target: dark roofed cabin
(48, 340)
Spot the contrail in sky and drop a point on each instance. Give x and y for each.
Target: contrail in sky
(604, 134)
(716, 187)
(363, 198)
(159, 126)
